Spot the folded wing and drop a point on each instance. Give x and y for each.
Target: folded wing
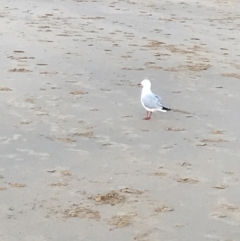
(152, 101)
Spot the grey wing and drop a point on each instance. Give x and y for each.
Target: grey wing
(152, 101)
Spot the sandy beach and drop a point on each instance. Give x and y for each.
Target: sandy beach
(78, 162)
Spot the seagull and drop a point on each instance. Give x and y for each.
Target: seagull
(149, 100)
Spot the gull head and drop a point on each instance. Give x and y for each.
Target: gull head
(145, 84)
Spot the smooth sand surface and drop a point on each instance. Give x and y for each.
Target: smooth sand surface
(78, 162)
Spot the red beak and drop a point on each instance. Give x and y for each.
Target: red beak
(139, 84)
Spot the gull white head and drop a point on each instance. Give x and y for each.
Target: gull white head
(145, 84)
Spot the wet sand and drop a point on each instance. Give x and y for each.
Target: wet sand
(78, 162)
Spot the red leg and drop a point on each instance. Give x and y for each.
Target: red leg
(147, 117)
